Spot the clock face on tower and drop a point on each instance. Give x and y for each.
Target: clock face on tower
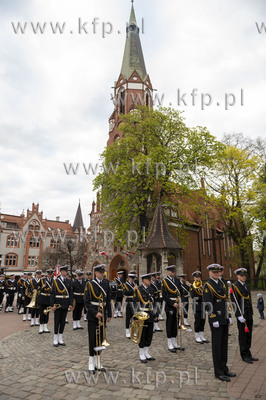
(132, 28)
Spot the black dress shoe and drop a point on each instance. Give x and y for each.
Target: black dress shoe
(231, 374)
(151, 359)
(100, 369)
(62, 344)
(144, 361)
(74, 329)
(80, 327)
(55, 345)
(92, 371)
(247, 360)
(66, 322)
(253, 359)
(181, 348)
(158, 330)
(172, 350)
(223, 378)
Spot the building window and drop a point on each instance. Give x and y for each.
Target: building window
(34, 242)
(203, 242)
(208, 235)
(228, 246)
(99, 227)
(224, 240)
(11, 260)
(12, 241)
(121, 97)
(33, 261)
(55, 243)
(96, 247)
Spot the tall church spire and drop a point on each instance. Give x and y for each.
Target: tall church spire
(133, 86)
(133, 59)
(78, 223)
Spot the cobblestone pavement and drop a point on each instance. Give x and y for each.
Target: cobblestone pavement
(32, 368)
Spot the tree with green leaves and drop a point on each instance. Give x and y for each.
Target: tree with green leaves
(232, 189)
(156, 153)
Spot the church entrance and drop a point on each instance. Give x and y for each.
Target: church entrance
(118, 263)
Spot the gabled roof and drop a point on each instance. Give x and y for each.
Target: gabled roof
(160, 236)
(133, 59)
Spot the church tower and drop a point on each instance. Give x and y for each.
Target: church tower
(133, 86)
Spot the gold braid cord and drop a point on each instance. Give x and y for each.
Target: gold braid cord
(240, 294)
(93, 293)
(141, 298)
(59, 290)
(169, 290)
(215, 293)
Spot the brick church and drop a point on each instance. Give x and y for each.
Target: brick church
(205, 243)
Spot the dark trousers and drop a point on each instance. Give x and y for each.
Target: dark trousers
(78, 311)
(10, 299)
(199, 322)
(219, 349)
(35, 312)
(147, 333)
(43, 318)
(171, 324)
(260, 311)
(129, 314)
(60, 320)
(244, 338)
(26, 303)
(1, 297)
(186, 304)
(19, 301)
(92, 327)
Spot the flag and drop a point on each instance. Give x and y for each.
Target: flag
(57, 271)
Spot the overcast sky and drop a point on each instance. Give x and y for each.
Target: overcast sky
(55, 90)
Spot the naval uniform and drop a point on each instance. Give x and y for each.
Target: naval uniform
(143, 302)
(11, 289)
(214, 296)
(34, 284)
(78, 295)
(185, 293)
(198, 308)
(129, 294)
(153, 289)
(171, 290)
(44, 298)
(243, 296)
(119, 297)
(96, 292)
(2, 291)
(61, 294)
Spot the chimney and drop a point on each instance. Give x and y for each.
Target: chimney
(57, 218)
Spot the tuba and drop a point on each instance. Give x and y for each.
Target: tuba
(137, 324)
(33, 303)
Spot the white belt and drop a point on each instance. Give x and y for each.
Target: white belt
(79, 294)
(11, 288)
(129, 297)
(145, 309)
(45, 294)
(62, 297)
(94, 303)
(173, 298)
(119, 290)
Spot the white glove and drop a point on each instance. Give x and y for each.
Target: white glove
(241, 319)
(216, 324)
(230, 321)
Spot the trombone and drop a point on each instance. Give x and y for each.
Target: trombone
(101, 341)
(182, 326)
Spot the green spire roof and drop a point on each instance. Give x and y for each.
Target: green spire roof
(133, 56)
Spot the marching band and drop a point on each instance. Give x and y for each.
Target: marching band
(145, 305)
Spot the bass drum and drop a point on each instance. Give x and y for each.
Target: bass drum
(113, 290)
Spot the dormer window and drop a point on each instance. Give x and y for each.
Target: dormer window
(132, 27)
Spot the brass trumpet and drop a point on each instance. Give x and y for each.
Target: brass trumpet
(33, 302)
(48, 309)
(197, 285)
(101, 344)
